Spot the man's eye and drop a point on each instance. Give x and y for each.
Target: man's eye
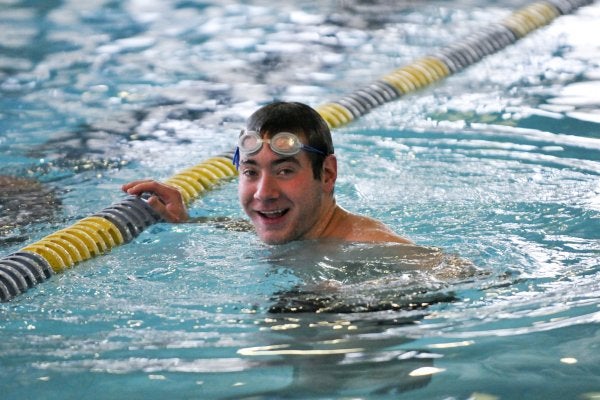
(249, 173)
(285, 171)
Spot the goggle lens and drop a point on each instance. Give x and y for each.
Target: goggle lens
(250, 143)
(286, 143)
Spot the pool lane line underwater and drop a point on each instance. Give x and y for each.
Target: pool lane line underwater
(125, 220)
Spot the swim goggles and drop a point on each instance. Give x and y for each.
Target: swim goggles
(282, 143)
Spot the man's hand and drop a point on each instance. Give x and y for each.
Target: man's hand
(165, 200)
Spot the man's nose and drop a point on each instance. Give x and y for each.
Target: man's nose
(267, 188)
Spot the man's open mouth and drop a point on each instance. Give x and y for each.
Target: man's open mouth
(274, 214)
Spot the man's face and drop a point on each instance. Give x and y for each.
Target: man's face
(281, 196)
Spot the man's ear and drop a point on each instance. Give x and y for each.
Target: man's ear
(329, 173)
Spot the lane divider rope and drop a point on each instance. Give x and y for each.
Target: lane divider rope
(447, 61)
(122, 222)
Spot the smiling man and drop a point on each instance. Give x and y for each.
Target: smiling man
(287, 174)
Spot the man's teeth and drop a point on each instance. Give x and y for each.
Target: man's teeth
(272, 214)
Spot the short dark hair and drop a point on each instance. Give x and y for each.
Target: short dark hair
(297, 118)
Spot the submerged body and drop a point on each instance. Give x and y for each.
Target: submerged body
(24, 201)
(343, 276)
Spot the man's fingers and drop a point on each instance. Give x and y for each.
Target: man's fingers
(166, 193)
(176, 213)
(158, 206)
(132, 187)
(171, 212)
(166, 200)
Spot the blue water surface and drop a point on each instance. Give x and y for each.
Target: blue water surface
(498, 165)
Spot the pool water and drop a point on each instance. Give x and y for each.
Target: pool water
(497, 166)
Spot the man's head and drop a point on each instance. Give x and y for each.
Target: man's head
(299, 119)
(287, 194)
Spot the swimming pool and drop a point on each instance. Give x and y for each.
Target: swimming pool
(498, 164)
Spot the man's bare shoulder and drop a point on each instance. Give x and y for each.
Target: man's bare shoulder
(360, 228)
(367, 229)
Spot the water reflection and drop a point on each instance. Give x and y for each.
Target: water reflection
(340, 329)
(349, 354)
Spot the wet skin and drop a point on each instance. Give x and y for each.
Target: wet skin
(282, 198)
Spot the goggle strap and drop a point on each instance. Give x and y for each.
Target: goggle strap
(313, 149)
(236, 158)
